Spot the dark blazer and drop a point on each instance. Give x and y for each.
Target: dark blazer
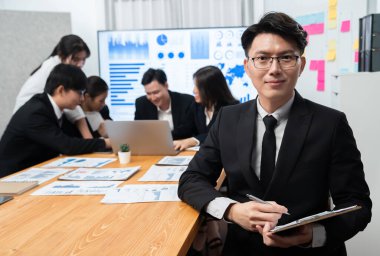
(318, 156)
(199, 119)
(180, 103)
(33, 135)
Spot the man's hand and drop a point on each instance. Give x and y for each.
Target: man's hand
(302, 236)
(184, 144)
(250, 215)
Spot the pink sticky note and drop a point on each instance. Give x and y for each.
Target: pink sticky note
(321, 65)
(321, 75)
(345, 27)
(321, 86)
(313, 65)
(356, 59)
(314, 29)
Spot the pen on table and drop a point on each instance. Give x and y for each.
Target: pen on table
(256, 199)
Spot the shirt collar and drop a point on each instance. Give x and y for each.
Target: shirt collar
(281, 113)
(57, 110)
(168, 111)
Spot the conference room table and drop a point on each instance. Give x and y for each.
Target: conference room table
(82, 225)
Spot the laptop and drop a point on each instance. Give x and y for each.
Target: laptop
(144, 137)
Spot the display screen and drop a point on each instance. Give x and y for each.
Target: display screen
(124, 56)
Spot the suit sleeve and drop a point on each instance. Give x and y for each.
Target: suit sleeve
(196, 185)
(43, 130)
(347, 186)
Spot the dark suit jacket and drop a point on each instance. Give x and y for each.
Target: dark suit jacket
(33, 135)
(199, 120)
(318, 156)
(181, 103)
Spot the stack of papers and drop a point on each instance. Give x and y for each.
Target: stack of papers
(39, 175)
(175, 160)
(142, 193)
(100, 174)
(59, 188)
(163, 173)
(80, 162)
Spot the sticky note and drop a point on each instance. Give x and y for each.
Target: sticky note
(313, 65)
(356, 58)
(332, 2)
(355, 46)
(345, 27)
(331, 24)
(332, 13)
(331, 54)
(321, 86)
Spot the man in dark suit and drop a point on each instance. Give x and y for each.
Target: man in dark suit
(34, 135)
(315, 157)
(162, 104)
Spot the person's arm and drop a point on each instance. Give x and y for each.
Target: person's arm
(45, 131)
(185, 143)
(82, 126)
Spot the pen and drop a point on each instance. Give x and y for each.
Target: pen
(256, 199)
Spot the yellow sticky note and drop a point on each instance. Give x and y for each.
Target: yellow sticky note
(331, 24)
(331, 54)
(356, 44)
(332, 44)
(332, 13)
(333, 2)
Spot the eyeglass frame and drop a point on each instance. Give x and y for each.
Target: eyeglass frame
(278, 58)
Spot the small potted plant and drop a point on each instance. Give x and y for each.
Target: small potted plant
(124, 154)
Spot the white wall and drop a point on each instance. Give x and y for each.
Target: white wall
(87, 17)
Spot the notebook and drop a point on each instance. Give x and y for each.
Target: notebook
(16, 188)
(144, 137)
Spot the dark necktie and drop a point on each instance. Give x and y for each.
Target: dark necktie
(268, 153)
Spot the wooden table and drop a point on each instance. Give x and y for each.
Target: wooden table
(81, 225)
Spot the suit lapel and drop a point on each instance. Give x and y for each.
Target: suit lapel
(294, 136)
(246, 140)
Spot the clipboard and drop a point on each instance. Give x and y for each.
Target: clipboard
(314, 218)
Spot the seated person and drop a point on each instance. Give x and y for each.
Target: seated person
(211, 92)
(162, 104)
(94, 102)
(34, 135)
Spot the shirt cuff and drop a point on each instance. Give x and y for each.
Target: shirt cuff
(319, 235)
(218, 206)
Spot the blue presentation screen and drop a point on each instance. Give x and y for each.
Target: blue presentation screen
(124, 56)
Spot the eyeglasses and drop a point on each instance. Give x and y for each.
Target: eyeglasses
(285, 61)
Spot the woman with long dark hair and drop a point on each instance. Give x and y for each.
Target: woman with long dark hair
(211, 92)
(71, 49)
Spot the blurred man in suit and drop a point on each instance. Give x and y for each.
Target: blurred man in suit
(34, 133)
(281, 148)
(162, 104)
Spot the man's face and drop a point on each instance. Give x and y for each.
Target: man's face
(72, 98)
(157, 93)
(275, 85)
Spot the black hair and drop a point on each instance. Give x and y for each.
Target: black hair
(95, 86)
(71, 77)
(212, 86)
(277, 23)
(68, 45)
(154, 75)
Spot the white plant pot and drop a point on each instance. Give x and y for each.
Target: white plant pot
(124, 157)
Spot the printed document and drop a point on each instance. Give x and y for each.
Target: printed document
(67, 188)
(175, 160)
(163, 173)
(80, 162)
(100, 174)
(141, 194)
(37, 174)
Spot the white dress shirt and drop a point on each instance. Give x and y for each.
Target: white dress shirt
(166, 115)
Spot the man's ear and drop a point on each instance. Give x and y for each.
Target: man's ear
(166, 85)
(59, 90)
